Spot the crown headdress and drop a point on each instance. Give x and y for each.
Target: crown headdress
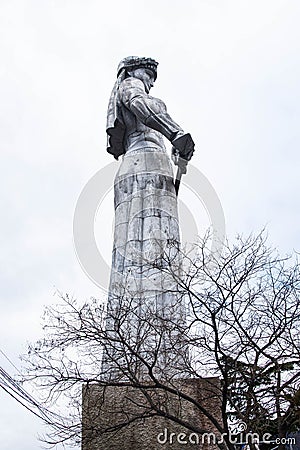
(134, 62)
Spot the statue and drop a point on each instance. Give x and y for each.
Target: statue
(146, 217)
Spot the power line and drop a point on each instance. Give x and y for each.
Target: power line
(13, 385)
(25, 406)
(13, 388)
(10, 361)
(10, 386)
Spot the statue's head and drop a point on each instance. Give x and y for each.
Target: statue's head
(145, 69)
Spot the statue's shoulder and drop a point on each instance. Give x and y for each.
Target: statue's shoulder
(131, 85)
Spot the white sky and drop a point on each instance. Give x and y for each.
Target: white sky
(229, 73)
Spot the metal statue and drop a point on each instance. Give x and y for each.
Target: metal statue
(146, 231)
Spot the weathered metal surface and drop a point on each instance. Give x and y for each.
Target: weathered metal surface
(146, 217)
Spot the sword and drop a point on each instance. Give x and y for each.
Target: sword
(181, 170)
(182, 152)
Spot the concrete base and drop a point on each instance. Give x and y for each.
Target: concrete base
(128, 409)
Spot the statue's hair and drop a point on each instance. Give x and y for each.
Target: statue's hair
(136, 62)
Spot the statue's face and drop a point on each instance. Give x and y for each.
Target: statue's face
(146, 76)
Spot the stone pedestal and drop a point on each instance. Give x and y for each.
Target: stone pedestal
(124, 413)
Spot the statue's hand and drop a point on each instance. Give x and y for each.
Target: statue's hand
(175, 156)
(184, 144)
(178, 161)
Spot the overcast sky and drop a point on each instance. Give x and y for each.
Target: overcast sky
(229, 73)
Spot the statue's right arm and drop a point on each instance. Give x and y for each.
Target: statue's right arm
(151, 111)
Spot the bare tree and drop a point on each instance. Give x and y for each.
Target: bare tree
(242, 326)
